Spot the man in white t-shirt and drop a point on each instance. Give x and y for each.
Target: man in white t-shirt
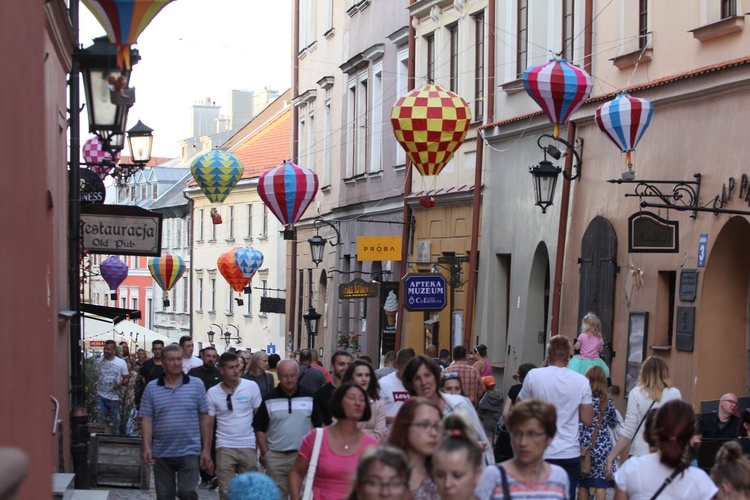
(188, 360)
(113, 372)
(233, 404)
(392, 390)
(570, 393)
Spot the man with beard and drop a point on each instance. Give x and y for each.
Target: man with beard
(339, 363)
(210, 375)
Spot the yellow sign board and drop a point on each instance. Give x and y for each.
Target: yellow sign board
(378, 248)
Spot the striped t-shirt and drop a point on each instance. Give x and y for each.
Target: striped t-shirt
(176, 416)
(554, 487)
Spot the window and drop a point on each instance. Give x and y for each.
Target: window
(134, 303)
(167, 237)
(376, 130)
(327, 140)
(248, 305)
(185, 295)
(642, 23)
(155, 191)
(144, 192)
(361, 125)
(567, 27)
(200, 225)
(265, 221)
(479, 66)
(430, 44)
(264, 285)
(522, 33)
(213, 231)
(402, 85)
(200, 294)
(230, 216)
(728, 8)
(123, 301)
(351, 128)
(453, 34)
(178, 233)
(302, 134)
(249, 220)
(310, 141)
(230, 301)
(212, 303)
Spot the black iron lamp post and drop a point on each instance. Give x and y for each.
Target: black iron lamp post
(544, 175)
(312, 322)
(317, 246)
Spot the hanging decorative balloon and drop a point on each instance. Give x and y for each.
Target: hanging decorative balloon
(166, 270)
(559, 88)
(232, 273)
(249, 260)
(97, 160)
(114, 271)
(216, 172)
(624, 120)
(430, 123)
(287, 191)
(123, 21)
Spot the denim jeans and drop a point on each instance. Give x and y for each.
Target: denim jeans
(573, 467)
(186, 471)
(109, 411)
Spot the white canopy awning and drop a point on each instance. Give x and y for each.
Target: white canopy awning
(101, 328)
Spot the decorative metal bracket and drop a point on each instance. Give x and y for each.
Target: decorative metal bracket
(320, 220)
(555, 153)
(454, 263)
(684, 195)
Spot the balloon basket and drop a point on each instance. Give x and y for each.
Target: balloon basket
(215, 216)
(289, 234)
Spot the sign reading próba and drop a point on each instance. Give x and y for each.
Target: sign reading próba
(120, 230)
(378, 248)
(425, 292)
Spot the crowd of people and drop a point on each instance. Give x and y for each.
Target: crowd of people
(425, 426)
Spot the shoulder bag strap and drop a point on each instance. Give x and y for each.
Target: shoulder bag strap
(596, 429)
(506, 488)
(644, 418)
(310, 478)
(304, 373)
(665, 483)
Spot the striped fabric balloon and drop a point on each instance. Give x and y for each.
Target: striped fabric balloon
(216, 172)
(559, 88)
(624, 120)
(249, 260)
(231, 272)
(114, 271)
(166, 270)
(287, 191)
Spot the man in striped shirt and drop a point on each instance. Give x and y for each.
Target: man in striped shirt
(176, 429)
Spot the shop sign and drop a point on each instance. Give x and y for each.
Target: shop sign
(374, 248)
(649, 233)
(358, 289)
(272, 305)
(120, 230)
(425, 292)
(97, 343)
(92, 188)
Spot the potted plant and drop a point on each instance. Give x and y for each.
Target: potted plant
(115, 446)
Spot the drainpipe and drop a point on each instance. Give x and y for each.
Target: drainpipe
(561, 236)
(291, 291)
(479, 160)
(406, 228)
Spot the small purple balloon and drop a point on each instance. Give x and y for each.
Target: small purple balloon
(114, 271)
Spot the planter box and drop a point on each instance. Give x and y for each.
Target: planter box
(116, 461)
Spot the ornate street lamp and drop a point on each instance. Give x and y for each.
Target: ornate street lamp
(212, 333)
(312, 321)
(317, 246)
(544, 175)
(140, 140)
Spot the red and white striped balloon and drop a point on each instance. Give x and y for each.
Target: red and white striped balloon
(624, 120)
(287, 191)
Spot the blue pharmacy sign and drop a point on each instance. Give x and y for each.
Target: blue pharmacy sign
(702, 248)
(425, 292)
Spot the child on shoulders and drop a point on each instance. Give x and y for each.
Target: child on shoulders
(591, 344)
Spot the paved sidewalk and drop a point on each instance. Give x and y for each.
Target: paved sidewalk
(150, 494)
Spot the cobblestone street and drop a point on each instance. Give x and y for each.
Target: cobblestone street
(150, 494)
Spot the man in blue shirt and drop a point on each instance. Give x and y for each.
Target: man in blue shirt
(176, 429)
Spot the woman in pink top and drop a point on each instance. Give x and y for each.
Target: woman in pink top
(590, 343)
(481, 362)
(343, 443)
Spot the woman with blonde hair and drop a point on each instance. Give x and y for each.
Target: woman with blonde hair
(605, 418)
(731, 472)
(653, 390)
(256, 371)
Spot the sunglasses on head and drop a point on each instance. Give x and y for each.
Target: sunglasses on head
(451, 375)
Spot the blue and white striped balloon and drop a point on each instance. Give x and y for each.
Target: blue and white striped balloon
(248, 260)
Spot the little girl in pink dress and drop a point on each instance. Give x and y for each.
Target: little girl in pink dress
(590, 343)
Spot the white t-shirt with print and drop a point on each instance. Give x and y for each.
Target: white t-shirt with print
(111, 372)
(640, 477)
(234, 429)
(392, 393)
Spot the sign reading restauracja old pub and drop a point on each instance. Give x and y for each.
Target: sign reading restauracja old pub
(120, 230)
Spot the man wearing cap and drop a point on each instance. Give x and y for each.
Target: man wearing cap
(490, 407)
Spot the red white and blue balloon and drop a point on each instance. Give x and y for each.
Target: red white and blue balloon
(249, 260)
(559, 88)
(114, 271)
(287, 191)
(624, 120)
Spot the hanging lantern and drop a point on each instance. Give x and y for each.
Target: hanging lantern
(624, 120)
(166, 270)
(216, 172)
(559, 88)
(287, 191)
(114, 271)
(430, 123)
(123, 21)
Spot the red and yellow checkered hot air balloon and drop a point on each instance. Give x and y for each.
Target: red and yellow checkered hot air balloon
(430, 123)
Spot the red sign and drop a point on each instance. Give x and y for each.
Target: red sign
(96, 343)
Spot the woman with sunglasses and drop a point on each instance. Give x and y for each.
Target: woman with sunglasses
(382, 473)
(360, 372)
(532, 424)
(450, 383)
(421, 378)
(415, 431)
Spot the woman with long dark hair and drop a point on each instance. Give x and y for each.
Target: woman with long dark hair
(360, 372)
(667, 470)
